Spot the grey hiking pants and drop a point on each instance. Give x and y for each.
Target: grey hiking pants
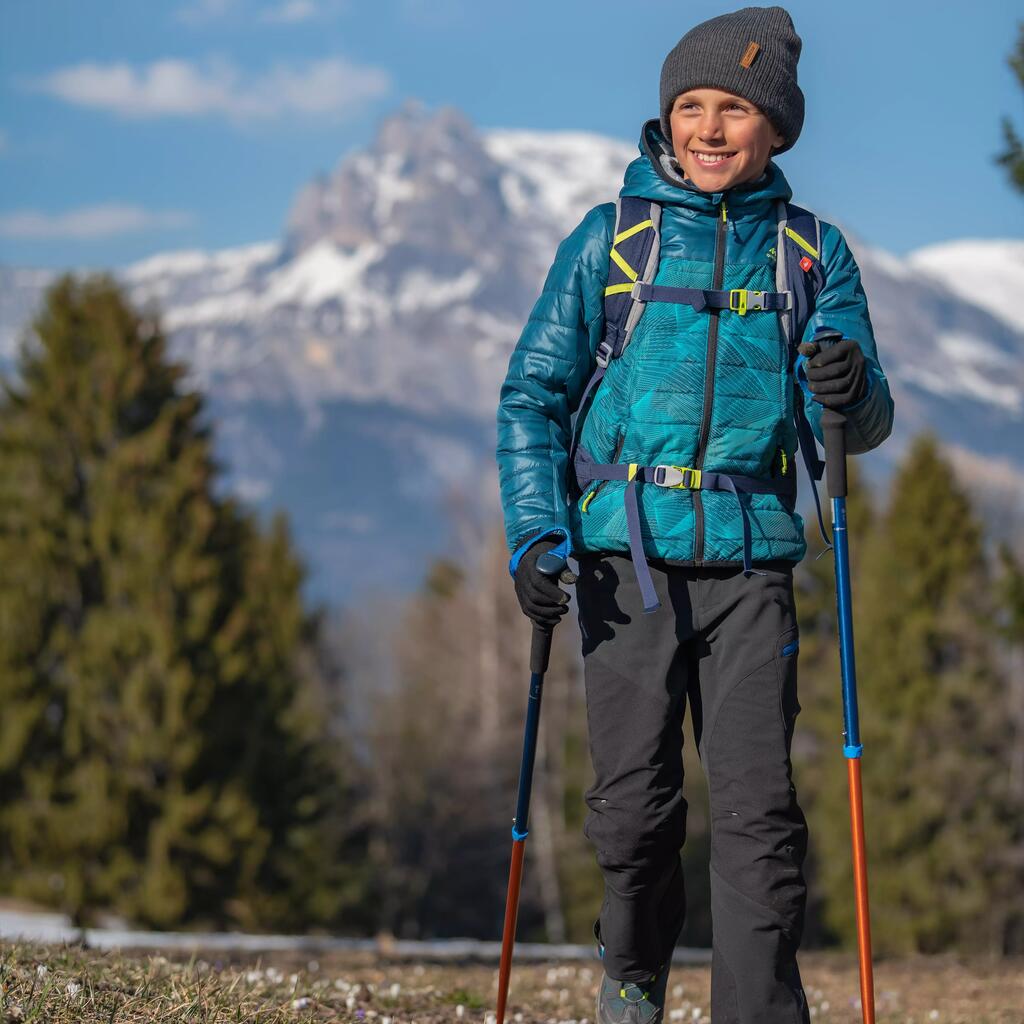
(729, 643)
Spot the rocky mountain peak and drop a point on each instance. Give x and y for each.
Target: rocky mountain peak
(425, 177)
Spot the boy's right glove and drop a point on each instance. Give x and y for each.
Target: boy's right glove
(540, 596)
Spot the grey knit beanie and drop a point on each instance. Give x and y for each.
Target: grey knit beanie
(753, 53)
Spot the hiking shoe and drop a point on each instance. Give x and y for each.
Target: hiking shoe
(630, 1002)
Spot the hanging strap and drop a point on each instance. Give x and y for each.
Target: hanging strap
(679, 478)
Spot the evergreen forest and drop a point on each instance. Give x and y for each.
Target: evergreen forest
(186, 742)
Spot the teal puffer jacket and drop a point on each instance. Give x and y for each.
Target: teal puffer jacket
(709, 390)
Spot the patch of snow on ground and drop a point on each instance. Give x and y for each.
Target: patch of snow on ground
(421, 290)
(884, 261)
(324, 271)
(988, 272)
(233, 308)
(969, 356)
(558, 176)
(196, 261)
(391, 187)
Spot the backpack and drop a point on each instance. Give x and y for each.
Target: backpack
(632, 266)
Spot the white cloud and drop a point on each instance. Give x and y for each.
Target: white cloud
(101, 221)
(178, 88)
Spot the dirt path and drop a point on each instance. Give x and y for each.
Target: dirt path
(64, 984)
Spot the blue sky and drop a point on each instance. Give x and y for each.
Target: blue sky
(129, 127)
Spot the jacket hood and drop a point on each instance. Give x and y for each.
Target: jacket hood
(655, 174)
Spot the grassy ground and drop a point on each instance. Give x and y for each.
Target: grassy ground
(65, 984)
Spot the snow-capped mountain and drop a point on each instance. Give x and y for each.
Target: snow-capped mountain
(354, 366)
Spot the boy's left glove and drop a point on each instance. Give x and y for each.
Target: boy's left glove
(837, 374)
(540, 596)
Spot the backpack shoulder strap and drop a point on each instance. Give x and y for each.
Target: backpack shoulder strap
(798, 268)
(633, 257)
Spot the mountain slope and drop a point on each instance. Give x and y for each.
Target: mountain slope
(355, 366)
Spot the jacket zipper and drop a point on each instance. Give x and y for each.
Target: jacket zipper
(709, 387)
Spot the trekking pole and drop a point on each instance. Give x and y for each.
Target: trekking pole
(540, 651)
(833, 427)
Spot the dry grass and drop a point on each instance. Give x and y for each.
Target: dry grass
(65, 984)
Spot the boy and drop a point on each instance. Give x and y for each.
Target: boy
(680, 495)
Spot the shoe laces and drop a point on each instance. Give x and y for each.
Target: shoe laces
(631, 988)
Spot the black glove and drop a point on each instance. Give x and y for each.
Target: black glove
(540, 596)
(837, 374)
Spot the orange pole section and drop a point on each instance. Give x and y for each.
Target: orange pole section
(515, 877)
(860, 881)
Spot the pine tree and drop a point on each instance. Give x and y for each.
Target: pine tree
(1010, 628)
(1012, 158)
(165, 754)
(933, 726)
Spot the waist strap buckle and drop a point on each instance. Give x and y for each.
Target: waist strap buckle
(681, 477)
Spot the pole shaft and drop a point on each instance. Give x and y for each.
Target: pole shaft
(852, 751)
(844, 613)
(529, 755)
(860, 882)
(508, 938)
(551, 564)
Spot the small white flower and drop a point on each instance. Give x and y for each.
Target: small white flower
(385, 1020)
(677, 992)
(395, 989)
(933, 1015)
(301, 1003)
(350, 1002)
(42, 970)
(73, 988)
(313, 966)
(676, 1014)
(825, 1006)
(490, 1017)
(460, 1011)
(696, 1013)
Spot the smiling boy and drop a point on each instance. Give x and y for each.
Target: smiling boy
(675, 491)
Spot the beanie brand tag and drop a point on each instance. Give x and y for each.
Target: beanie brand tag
(748, 57)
